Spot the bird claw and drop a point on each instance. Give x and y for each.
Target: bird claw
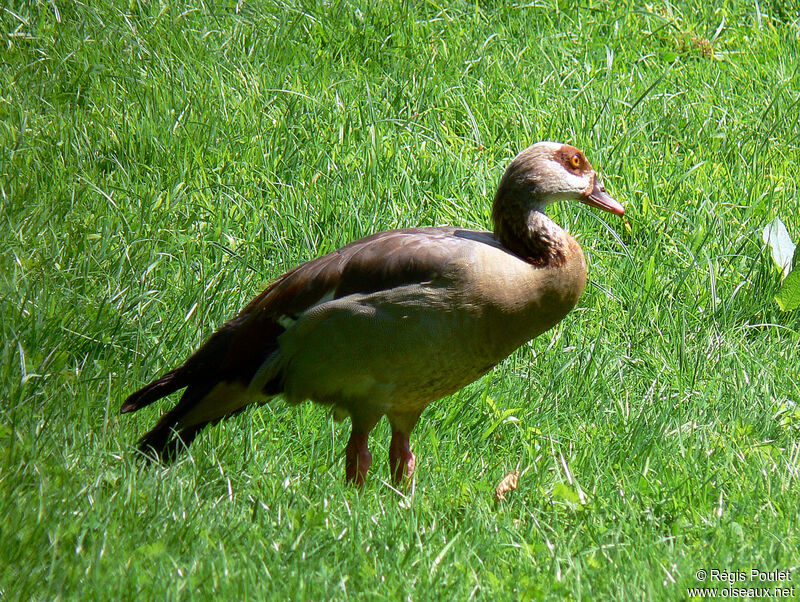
(403, 468)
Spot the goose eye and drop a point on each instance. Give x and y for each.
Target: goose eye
(575, 161)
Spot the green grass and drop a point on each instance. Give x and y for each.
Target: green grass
(160, 163)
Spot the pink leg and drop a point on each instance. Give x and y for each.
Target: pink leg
(357, 458)
(401, 460)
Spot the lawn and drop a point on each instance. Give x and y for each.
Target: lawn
(160, 163)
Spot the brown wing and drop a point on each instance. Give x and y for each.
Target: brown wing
(378, 262)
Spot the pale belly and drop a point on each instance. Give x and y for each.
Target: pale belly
(392, 357)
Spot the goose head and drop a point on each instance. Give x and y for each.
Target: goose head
(547, 172)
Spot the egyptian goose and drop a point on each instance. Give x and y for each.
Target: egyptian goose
(394, 321)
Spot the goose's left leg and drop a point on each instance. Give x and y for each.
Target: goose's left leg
(401, 460)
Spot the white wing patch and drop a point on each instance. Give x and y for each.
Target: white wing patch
(264, 372)
(288, 321)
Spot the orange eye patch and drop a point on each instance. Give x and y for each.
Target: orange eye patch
(575, 161)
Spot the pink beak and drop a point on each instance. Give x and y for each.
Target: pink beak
(599, 198)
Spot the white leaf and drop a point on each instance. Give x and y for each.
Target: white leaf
(777, 237)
